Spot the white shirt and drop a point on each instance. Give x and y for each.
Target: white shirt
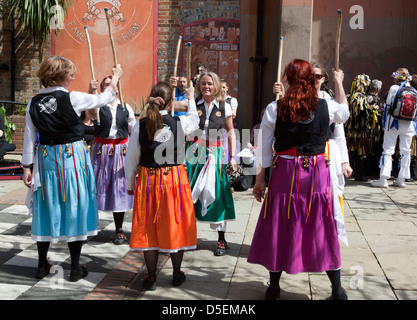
(233, 102)
(339, 136)
(80, 102)
(338, 113)
(131, 120)
(189, 124)
(209, 109)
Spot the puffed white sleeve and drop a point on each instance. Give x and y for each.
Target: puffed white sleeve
(227, 110)
(29, 139)
(234, 103)
(82, 101)
(266, 136)
(340, 139)
(190, 121)
(132, 120)
(338, 112)
(132, 158)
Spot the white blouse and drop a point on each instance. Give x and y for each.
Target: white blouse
(80, 102)
(209, 109)
(131, 120)
(338, 113)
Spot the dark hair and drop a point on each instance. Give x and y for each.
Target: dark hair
(301, 97)
(103, 82)
(160, 97)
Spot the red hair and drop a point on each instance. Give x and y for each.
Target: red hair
(301, 97)
(103, 82)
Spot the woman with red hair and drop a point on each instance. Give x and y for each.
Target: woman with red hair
(296, 231)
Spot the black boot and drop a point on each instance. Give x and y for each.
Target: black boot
(338, 293)
(274, 291)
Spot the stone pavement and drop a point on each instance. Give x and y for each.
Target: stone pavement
(378, 264)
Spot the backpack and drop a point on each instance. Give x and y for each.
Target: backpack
(404, 106)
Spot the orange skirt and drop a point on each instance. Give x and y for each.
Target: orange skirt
(163, 211)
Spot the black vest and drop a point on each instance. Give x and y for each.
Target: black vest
(216, 119)
(53, 115)
(169, 152)
(122, 122)
(309, 137)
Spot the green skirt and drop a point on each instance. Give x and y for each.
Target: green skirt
(222, 209)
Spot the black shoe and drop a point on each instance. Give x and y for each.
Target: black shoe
(409, 180)
(120, 238)
(79, 273)
(42, 272)
(341, 295)
(273, 293)
(221, 249)
(149, 284)
(177, 281)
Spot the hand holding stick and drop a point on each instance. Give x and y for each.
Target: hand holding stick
(175, 71)
(119, 85)
(338, 33)
(281, 46)
(92, 68)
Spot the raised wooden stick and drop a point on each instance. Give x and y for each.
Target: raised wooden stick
(119, 85)
(90, 55)
(338, 34)
(175, 72)
(281, 46)
(189, 47)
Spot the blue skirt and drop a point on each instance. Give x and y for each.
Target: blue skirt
(64, 206)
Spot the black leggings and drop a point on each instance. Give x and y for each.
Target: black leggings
(74, 249)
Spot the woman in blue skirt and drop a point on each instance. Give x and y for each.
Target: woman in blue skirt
(58, 169)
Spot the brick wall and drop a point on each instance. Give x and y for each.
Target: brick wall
(27, 55)
(171, 16)
(19, 121)
(174, 14)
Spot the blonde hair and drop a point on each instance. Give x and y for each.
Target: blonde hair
(400, 75)
(54, 70)
(217, 86)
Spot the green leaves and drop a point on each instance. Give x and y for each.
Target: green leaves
(9, 127)
(37, 16)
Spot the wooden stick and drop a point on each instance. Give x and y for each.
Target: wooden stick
(189, 48)
(281, 47)
(175, 72)
(338, 34)
(92, 69)
(119, 85)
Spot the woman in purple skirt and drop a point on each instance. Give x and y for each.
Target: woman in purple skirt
(108, 153)
(296, 230)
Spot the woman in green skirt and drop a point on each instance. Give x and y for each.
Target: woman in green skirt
(205, 158)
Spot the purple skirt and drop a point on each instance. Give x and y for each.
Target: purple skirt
(108, 163)
(296, 231)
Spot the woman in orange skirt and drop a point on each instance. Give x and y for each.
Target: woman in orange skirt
(163, 211)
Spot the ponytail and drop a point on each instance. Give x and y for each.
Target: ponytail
(154, 118)
(160, 97)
